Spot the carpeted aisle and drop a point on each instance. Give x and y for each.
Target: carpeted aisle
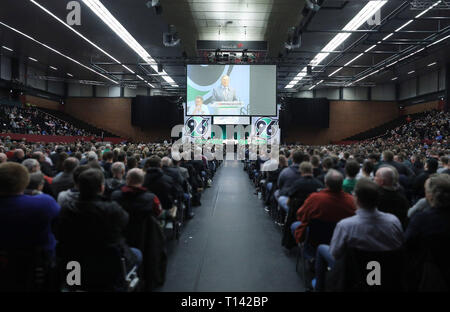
(231, 244)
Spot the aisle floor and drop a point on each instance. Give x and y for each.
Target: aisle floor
(231, 244)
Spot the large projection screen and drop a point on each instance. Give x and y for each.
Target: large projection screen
(231, 90)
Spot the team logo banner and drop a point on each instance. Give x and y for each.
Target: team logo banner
(196, 127)
(266, 130)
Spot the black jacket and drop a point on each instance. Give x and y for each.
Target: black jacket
(111, 185)
(395, 202)
(144, 232)
(426, 237)
(86, 225)
(177, 179)
(161, 185)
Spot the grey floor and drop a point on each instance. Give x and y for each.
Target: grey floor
(231, 244)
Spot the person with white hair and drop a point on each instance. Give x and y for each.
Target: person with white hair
(117, 180)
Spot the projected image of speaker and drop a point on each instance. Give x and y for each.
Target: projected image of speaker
(231, 90)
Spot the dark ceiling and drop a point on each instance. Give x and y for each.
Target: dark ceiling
(147, 28)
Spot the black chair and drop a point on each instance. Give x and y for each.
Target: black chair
(27, 270)
(350, 272)
(427, 267)
(317, 232)
(102, 269)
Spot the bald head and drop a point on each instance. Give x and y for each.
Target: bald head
(135, 177)
(386, 177)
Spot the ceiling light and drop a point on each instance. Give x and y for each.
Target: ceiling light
(53, 67)
(335, 71)
(368, 49)
(103, 13)
(404, 25)
(32, 59)
(434, 63)
(360, 18)
(80, 35)
(6, 48)
(353, 59)
(409, 73)
(57, 52)
(70, 75)
(395, 78)
(438, 41)
(388, 36)
(419, 15)
(316, 85)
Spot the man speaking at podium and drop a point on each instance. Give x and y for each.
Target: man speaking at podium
(224, 93)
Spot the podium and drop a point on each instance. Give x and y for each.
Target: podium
(226, 108)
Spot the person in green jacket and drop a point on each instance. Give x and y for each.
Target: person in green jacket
(351, 170)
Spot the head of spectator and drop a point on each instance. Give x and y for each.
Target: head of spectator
(315, 161)
(374, 158)
(431, 165)
(166, 162)
(334, 180)
(19, 155)
(92, 156)
(388, 156)
(366, 194)
(76, 173)
(298, 157)
(91, 184)
(32, 165)
(367, 168)
(282, 161)
(386, 177)
(132, 162)
(3, 158)
(122, 157)
(39, 156)
(14, 178)
(437, 191)
(327, 164)
(36, 184)
(306, 169)
(118, 170)
(351, 169)
(135, 177)
(108, 156)
(70, 164)
(153, 162)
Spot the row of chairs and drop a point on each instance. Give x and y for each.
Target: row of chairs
(100, 269)
(350, 272)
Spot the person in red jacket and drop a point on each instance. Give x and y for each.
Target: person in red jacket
(329, 205)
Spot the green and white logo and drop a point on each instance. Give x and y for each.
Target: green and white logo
(265, 127)
(196, 126)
